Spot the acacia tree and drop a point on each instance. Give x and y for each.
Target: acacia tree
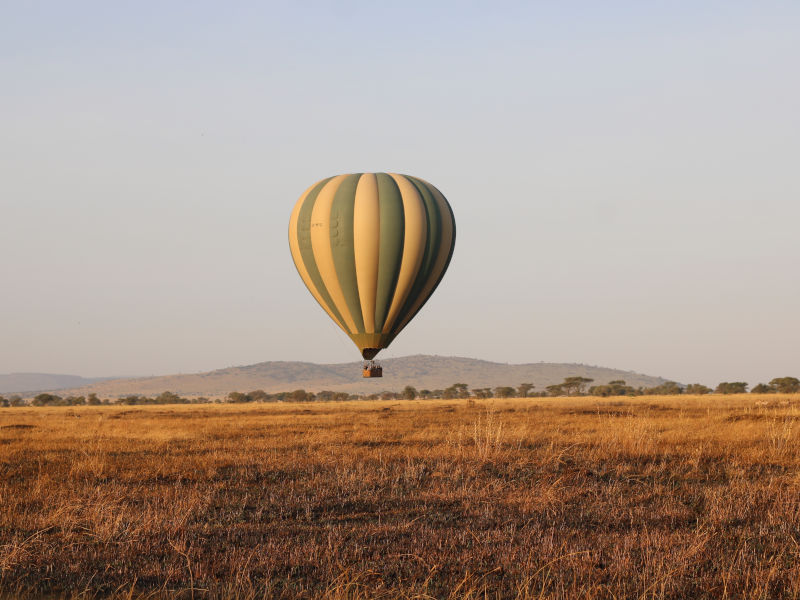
(786, 385)
(134, 399)
(762, 388)
(237, 397)
(259, 396)
(457, 390)
(731, 387)
(618, 387)
(47, 400)
(409, 392)
(697, 389)
(669, 388)
(173, 398)
(524, 388)
(504, 391)
(575, 386)
(301, 396)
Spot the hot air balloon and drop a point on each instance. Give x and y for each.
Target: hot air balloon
(372, 248)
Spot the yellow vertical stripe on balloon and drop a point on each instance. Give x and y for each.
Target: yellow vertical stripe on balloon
(416, 236)
(294, 246)
(366, 244)
(441, 258)
(323, 252)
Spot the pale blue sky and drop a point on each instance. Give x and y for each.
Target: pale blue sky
(624, 177)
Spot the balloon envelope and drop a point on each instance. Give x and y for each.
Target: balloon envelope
(372, 248)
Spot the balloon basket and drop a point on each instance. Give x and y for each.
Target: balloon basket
(371, 369)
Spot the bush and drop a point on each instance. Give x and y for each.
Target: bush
(670, 388)
(301, 396)
(697, 389)
(457, 390)
(786, 385)
(617, 387)
(170, 398)
(259, 396)
(237, 397)
(133, 399)
(571, 386)
(47, 400)
(762, 388)
(731, 387)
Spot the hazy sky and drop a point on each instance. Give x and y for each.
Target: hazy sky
(625, 178)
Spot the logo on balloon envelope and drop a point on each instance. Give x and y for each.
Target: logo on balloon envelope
(372, 248)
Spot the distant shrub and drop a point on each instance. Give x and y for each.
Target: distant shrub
(457, 390)
(786, 385)
(47, 400)
(731, 387)
(259, 396)
(237, 397)
(670, 388)
(524, 389)
(301, 396)
(133, 399)
(698, 389)
(617, 387)
(762, 388)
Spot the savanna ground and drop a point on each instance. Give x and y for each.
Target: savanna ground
(649, 497)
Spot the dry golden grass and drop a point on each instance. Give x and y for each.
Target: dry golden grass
(650, 497)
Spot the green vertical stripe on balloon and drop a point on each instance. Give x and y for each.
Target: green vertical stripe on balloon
(448, 215)
(307, 253)
(341, 236)
(392, 216)
(452, 239)
(432, 243)
(452, 218)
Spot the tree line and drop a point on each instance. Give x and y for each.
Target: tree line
(571, 386)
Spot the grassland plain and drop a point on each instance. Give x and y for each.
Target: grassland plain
(647, 497)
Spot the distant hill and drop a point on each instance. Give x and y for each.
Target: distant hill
(421, 371)
(42, 382)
